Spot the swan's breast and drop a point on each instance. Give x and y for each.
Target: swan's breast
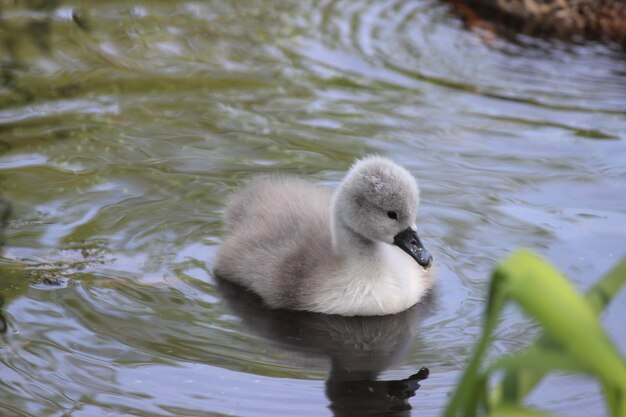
(388, 283)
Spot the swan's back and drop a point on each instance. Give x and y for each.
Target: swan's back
(279, 236)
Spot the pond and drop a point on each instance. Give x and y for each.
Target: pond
(124, 128)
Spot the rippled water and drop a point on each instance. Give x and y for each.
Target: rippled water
(124, 128)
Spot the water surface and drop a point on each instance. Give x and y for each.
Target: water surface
(125, 127)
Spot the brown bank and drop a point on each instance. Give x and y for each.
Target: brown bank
(566, 19)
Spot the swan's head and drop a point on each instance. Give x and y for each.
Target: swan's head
(378, 201)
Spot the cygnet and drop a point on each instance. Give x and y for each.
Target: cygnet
(352, 252)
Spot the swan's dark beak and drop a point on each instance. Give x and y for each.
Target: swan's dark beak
(408, 241)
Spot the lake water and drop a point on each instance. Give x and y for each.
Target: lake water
(125, 128)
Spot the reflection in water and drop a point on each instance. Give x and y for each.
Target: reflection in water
(5, 209)
(16, 37)
(4, 214)
(3, 321)
(358, 348)
(371, 397)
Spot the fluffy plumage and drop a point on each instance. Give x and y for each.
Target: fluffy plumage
(301, 247)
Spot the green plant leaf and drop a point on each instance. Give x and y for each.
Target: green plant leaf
(549, 297)
(469, 387)
(514, 411)
(517, 382)
(615, 400)
(601, 294)
(573, 340)
(539, 359)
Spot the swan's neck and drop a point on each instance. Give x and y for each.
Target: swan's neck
(347, 242)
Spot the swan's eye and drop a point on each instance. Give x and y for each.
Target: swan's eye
(392, 215)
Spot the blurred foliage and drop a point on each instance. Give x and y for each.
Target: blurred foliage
(573, 340)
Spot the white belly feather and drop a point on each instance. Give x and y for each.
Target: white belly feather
(388, 283)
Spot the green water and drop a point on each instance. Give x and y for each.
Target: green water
(123, 128)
